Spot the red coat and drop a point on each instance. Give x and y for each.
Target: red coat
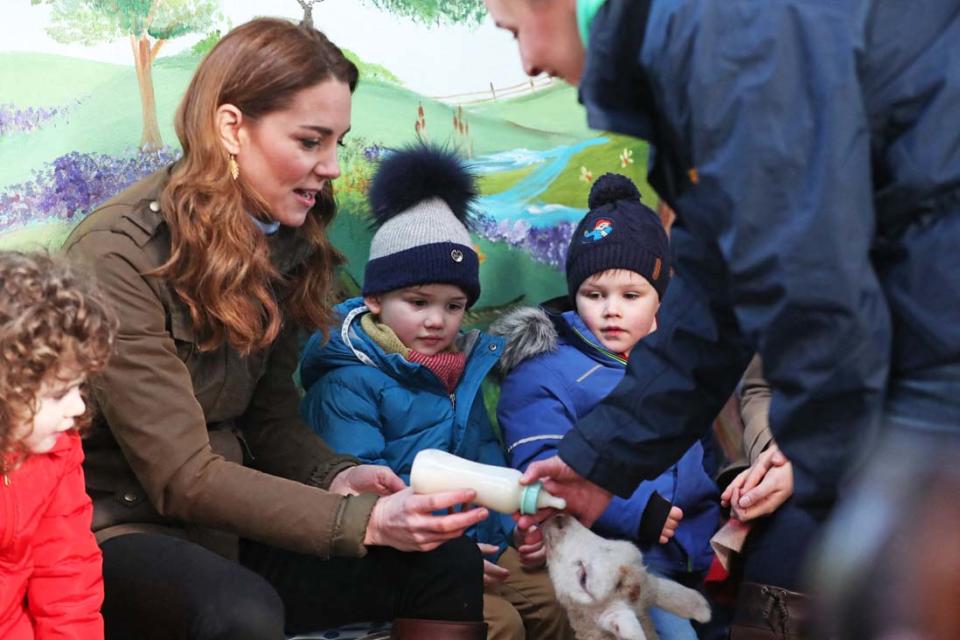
(51, 579)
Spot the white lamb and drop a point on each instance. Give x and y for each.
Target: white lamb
(605, 588)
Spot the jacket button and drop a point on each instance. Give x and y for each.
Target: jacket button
(493, 347)
(154, 206)
(130, 497)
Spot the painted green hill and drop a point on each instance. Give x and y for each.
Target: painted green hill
(41, 79)
(108, 120)
(570, 187)
(554, 108)
(387, 113)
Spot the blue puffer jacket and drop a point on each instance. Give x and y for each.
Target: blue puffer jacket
(811, 151)
(557, 371)
(383, 409)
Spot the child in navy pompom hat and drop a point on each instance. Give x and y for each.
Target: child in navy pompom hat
(564, 357)
(619, 232)
(399, 376)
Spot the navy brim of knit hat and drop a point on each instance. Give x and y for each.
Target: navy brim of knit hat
(618, 256)
(437, 263)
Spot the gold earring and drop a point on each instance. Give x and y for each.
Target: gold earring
(234, 167)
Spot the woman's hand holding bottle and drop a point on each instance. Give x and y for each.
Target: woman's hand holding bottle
(406, 521)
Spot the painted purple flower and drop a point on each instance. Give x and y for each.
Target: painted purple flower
(14, 120)
(545, 244)
(373, 152)
(74, 184)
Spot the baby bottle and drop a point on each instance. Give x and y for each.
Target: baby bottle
(497, 488)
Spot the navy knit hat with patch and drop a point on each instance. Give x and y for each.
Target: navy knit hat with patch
(619, 232)
(420, 198)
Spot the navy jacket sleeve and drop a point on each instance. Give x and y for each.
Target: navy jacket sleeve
(772, 251)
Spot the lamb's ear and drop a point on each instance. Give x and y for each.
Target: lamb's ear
(620, 620)
(675, 598)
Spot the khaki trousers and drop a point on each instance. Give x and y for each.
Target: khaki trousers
(524, 606)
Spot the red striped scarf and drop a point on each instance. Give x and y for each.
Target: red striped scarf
(447, 366)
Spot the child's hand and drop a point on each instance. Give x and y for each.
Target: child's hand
(367, 478)
(492, 573)
(670, 526)
(530, 547)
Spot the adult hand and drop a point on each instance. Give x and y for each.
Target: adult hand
(492, 573)
(367, 478)
(405, 520)
(670, 526)
(765, 498)
(530, 547)
(753, 475)
(585, 500)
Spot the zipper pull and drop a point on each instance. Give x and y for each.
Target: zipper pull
(453, 400)
(6, 480)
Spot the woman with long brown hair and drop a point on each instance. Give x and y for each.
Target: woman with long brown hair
(214, 267)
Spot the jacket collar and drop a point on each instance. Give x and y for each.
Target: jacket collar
(65, 442)
(586, 12)
(288, 248)
(145, 210)
(614, 87)
(619, 95)
(268, 228)
(482, 350)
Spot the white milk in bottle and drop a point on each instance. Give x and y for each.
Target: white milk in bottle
(497, 488)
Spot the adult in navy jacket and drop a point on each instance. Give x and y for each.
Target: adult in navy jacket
(809, 150)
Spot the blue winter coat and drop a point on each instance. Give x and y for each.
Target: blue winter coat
(811, 150)
(384, 409)
(558, 371)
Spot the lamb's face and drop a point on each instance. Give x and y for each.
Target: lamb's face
(589, 570)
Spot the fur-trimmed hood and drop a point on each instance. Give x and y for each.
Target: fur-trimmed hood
(529, 332)
(533, 331)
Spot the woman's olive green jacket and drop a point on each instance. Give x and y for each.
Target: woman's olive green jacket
(162, 401)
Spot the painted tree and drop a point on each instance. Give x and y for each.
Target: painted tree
(435, 11)
(307, 6)
(147, 23)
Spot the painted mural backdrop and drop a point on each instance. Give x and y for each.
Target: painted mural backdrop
(88, 93)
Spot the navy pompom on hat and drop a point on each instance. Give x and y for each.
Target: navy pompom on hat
(619, 232)
(420, 198)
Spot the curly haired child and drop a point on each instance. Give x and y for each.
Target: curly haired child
(55, 330)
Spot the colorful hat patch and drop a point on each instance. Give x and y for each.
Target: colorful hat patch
(601, 229)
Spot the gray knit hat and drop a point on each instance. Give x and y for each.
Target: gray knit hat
(420, 198)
